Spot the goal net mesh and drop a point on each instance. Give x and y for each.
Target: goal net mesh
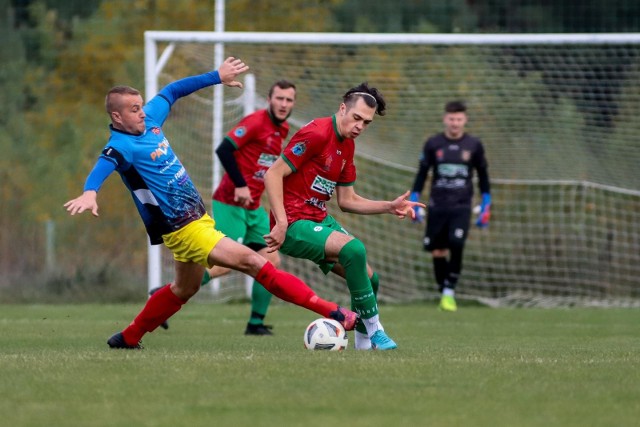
(559, 125)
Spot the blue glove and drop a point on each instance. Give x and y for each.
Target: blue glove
(485, 211)
(419, 210)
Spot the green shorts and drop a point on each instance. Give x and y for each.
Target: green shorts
(307, 239)
(242, 225)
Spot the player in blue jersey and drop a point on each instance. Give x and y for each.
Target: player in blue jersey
(173, 211)
(453, 155)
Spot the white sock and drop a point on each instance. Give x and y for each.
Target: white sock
(448, 292)
(372, 324)
(362, 341)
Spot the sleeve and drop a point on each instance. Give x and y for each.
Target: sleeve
(423, 170)
(303, 146)
(225, 153)
(99, 174)
(183, 87)
(160, 105)
(482, 167)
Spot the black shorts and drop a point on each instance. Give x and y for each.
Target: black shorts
(446, 227)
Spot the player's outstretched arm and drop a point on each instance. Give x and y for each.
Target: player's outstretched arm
(86, 202)
(230, 69)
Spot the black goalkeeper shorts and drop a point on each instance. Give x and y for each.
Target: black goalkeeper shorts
(446, 228)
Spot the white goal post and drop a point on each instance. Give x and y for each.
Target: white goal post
(557, 114)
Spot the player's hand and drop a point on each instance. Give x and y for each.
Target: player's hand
(276, 237)
(242, 196)
(87, 201)
(419, 212)
(230, 69)
(485, 211)
(401, 207)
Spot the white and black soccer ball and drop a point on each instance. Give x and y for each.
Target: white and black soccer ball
(325, 334)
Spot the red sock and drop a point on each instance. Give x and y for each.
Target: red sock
(290, 288)
(159, 307)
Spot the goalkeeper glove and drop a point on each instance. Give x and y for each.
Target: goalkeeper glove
(419, 210)
(485, 211)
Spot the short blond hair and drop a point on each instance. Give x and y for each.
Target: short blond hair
(110, 103)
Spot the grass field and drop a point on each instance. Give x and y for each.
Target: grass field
(476, 367)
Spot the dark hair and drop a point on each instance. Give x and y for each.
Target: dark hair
(282, 84)
(455, 107)
(371, 96)
(109, 102)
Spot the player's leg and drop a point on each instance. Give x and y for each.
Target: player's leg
(232, 222)
(288, 287)
(362, 341)
(190, 246)
(260, 300)
(257, 222)
(458, 229)
(436, 241)
(352, 255)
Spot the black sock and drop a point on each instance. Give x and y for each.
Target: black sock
(440, 271)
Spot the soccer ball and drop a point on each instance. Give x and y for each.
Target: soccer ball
(325, 334)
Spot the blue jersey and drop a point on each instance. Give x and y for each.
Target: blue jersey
(164, 194)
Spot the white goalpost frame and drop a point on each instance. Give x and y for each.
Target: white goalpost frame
(155, 63)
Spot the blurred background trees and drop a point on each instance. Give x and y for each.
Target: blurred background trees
(59, 57)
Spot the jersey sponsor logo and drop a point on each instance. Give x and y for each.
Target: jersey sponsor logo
(156, 130)
(299, 148)
(259, 175)
(266, 159)
(452, 170)
(320, 204)
(240, 131)
(323, 185)
(163, 149)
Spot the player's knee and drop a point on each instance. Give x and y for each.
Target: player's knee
(249, 262)
(353, 253)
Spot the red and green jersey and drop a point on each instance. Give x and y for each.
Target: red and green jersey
(258, 140)
(320, 160)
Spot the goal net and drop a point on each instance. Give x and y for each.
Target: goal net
(557, 115)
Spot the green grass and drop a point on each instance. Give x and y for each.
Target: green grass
(476, 367)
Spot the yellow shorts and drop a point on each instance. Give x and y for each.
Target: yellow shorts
(194, 241)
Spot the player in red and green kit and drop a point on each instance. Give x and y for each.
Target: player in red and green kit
(246, 153)
(318, 161)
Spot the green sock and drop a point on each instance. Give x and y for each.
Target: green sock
(375, 284)
(205, 279)
(260, 299)
(353, 257)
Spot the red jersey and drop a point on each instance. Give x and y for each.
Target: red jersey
(320, 160)
(259, 142)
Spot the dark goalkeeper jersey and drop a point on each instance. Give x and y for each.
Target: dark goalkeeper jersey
(453, 162)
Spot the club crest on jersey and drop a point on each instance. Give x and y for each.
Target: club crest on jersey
(299, 148)
(327, 163)
(156, 130)
(240, 132)
(466, 155)
(440, 154)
